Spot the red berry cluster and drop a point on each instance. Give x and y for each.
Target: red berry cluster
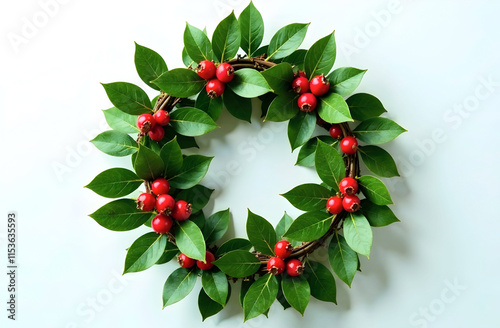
(276, 265)
(153, 124)
(349, 145)
(216, 77)
(348, 200)
(309, 90)
(186, 262)
(165, 204)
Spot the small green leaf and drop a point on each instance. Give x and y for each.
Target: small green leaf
(147, 164)
(216, 286)
(321, 282)
(233, 245)
(207, 306)
(226, 38)
(296, 291)
(249, 83)
(216, 226)
(211, 106)
(308, 150)
(283, 226)
(198, 196)
(171, 155)
(169, 253)
(377, 130)
(121, 121)
(279, 77)
(238, 264)
(190, 240)
(309, 226)
(193, 170)
(245, 286)
(260, 296)
(345, 80)
(239, 107)
(188, 61)
(180, 82)
(198, 218)
(343, 260)
(196, 44)
(281, 297)
(251, 28)
(115, 143)
(377, 215)
(183, 141)
(333, 109)
(283, 108)
(358, 234)
(115, 183)
(300, 129)
(120, 215)
(145, 252)
(149, 65)
(374, 190)
(329, 165)
(286, 40)
(378, 161)
(296, 59)
(178, 285)
(190, 121)
(128, 97)
(261, 233)
(321, 56)
(308, 197)
(364, 106)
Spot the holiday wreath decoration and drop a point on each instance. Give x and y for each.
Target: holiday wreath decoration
(295, 85)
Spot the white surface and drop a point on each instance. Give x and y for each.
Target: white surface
(426, 59)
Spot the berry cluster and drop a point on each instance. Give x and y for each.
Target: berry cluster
(187, 262)
(349, 144)
(348, 201)
(216, 77)
(309, 90)
(276, 265)
(153, 124)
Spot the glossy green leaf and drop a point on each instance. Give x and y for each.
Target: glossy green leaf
(180, 82)
(283, 108)
(198, 218)
(249, 83)
(295, 59)
(190, 121)
(171, 155)
(260, 296)
(149, 65)
(190, 241)
(345, 80)
(286, 40)
(343, 260)
(238, 263)
(198, 196)
(308, 150)
(120, 215)
(251, 28)
(178, 285)
(321, 282)
(128, 98)
(148, 165)
(377, 130)
(279, 77)
(358, 233)
(197, 44)
(283, 225)
(115, 183)
(308, 197)
(321, 56)
(261, 233)
(329, 165)
(378, 161)
(300, 129)
(233, 245)
(145, 252)
(333, 109)
(226, 38)
(211, 106)
(215, 285)
(169, 253)
(193, 170)
(216, 226)
(115, 143)
(121, 121)
(296, 291)
(364, 106)
(239, 107)
(309, 226)
(374, 190)
(377, 215)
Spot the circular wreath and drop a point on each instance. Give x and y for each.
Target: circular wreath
(295, 85)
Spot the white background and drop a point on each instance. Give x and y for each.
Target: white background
(428, 61)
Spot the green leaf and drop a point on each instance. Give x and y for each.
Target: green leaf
(343, 260)
(239, 107)
(329, 165)
(190, 121)
(345, 80)
(364, 106)
(260, 296)
(198, 218)
(145, 252)
(207, 306)
(149, 65)
(226, 38)
(120, 215)
(309, 226)
(300, 129)
(251, 28)
(283, 226)
(377, 130)
(193, 170)
(147, 164)
(197, 44)
(287, 40)
(296, 291)
(188, 61)
(233, 245)
(295, 59)
(321, 282)
(114, 183)
(190, 240)
(283, 108)
(238, 264)
(374, 190)
(180, 82)
(198, 196)
(249, 83)
(281, 297)
(266, 100)
(183, 141)
(358, 233)
(308, 150)
(121, 121)
(216, 226)
(211, 106)
(261, 233)
(216, 286)
(279, 77)
(169, 253)
(178, 285)
(377, 215)
(115, 143)
(128, 97)
(308, 197)
(321, 56)
(378, 161)
(245, 286)
(333, 109)
(171, 155)
(261, 51)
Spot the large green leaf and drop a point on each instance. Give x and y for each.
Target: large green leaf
(251, 28)
(190, 241)
(345, 80)
(216, 286)
(374, 190)
(226, 38)
(114, 183)
(196, 44)
(178, 285)
(211, 106)
(377, 215)
(128, 98)
(145, 252)
(115, 143)
(190, 121)
(239, 107)
(283, 108)
(378, 161)
(121, 121)
(300, 129)
(343, 260)
(321, 282)
(180, 82)
(308, 197)
(249, 83)
(260, 296)
(377, 130)
(321, 56)
(147, 164)
(309, 226)
(149, 65)
(308, 150)
(333, 109)
(238, 263)
(171, 155)
(286, 40)
(296, 291)
(193, 170)
(279, 77)
(216, 226)
(120, 215)
(364, 106)
(233, 245)
(198, 196)
(261, 233)
(329, 165)
(358, 233)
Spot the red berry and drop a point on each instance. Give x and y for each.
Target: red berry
(146, 202)
(145, 122)
(300, 85)
(294, 267)
(349, 145)
(348, 186)
(351, 203)
(319, 85)
(275, 265)
(185, 261)
(156, 133)
(334, 205)
(161, 223)
(181, 211)
(160, 186)
(162, 117)
(225, 72)
(214, 88)
(283, 249)
(206, 69)
(300, 74)
(207, 264)
(307, 102)
(335, 131)
(165, 204)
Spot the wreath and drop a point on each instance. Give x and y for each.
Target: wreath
(294, 85)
